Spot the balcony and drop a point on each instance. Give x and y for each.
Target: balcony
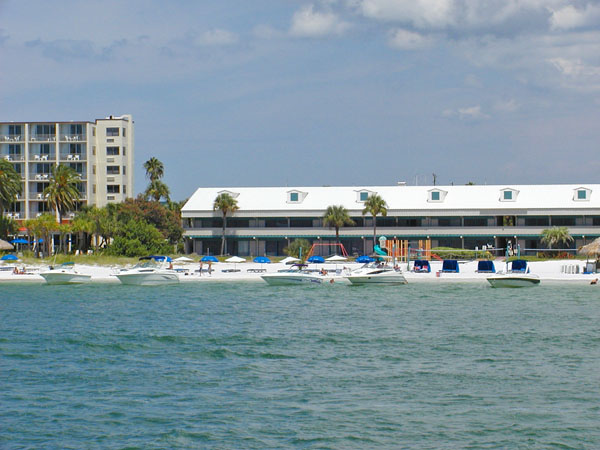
(72, 138)
(72, 157)
(42, 157)
(11, 138)
(12, 157)
(42, 177)
(37, 196)
(13, 215)
(43, 138)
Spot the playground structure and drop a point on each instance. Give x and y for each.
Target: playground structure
(401, 250)
(322, 244)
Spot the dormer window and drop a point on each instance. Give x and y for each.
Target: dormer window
(436, 196)
(508, 195)
(296, 196)
(233, 194)
(582, 194)
(363, 196)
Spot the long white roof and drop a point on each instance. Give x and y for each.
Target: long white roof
(404, 200)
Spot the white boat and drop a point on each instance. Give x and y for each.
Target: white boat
(518, 276)
(376, 273)
(65, 274)
(294, 275)
(150, 271)
(513, 280)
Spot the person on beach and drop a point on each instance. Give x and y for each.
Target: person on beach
(210, 268)
(200, 268)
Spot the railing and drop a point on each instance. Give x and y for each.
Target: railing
(13, 157)
(11, 138)
(42, 176)
(42, 137)
(72, 137)
(13, 215)
(37, 196)
(72, 157)
(44, 157)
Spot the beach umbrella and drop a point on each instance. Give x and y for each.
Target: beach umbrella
(288, 260)
(235, 260)
(5, 245)
(9, 258)
(335, 258)
(183, 259)
(364, 259)
(210, 258)
(262, 260)
(316, 259)
(19, 241)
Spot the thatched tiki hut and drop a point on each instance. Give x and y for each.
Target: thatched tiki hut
(5, 245)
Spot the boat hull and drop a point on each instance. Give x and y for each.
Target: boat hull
(148, 279)
(65, 278)
(393, 278)
(290, 280)
(513, 281)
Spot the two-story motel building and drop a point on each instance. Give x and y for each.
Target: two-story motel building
(269, 218)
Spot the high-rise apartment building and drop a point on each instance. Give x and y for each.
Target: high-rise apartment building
(101, 152)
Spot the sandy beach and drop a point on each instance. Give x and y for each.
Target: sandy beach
(558, 271)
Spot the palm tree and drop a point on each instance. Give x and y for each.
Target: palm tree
(226, 204)
(154, 169)
(157, 190)
(42, 226)
(62, 193)
(10, 184)
(556, 235)
(337, 217)
(375, 205)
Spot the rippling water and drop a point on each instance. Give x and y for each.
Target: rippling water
(245, 365)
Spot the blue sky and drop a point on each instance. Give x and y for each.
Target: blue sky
(328, 92)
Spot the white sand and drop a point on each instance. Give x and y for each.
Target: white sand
(548, 271)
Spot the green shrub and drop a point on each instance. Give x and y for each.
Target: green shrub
(459, 253)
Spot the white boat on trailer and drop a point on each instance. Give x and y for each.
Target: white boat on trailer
(149, 271)
(377, 272)
(65, 274)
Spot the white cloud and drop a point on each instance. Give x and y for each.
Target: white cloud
(421, 13)
(466, 113)
(507, 106)
(575, 68)
(216, 37)
(307, 22)
(408, 40)
(569, 17)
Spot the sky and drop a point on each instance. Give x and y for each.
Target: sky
(323, 92)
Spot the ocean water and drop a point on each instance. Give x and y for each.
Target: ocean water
(246, 365)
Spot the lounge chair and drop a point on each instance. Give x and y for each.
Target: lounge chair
(422, 266)
(486, 266)
(450, 266)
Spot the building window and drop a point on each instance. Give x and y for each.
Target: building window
(93, 189)
(124, 151)
(45, 129)
(435, 196)
(44, 149)
(75, 149)
(14, 130)
(112, 131)
(581, 195)
(112, 151)
(124, 170)
(124, 189)
(94, 131)
(113, 189)
(124, 132)
(14, 149)
(94, 169)
(364, 196)
(293, 197)
(76, 129)
(94, 150)
(112, 170)
(508, 195)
